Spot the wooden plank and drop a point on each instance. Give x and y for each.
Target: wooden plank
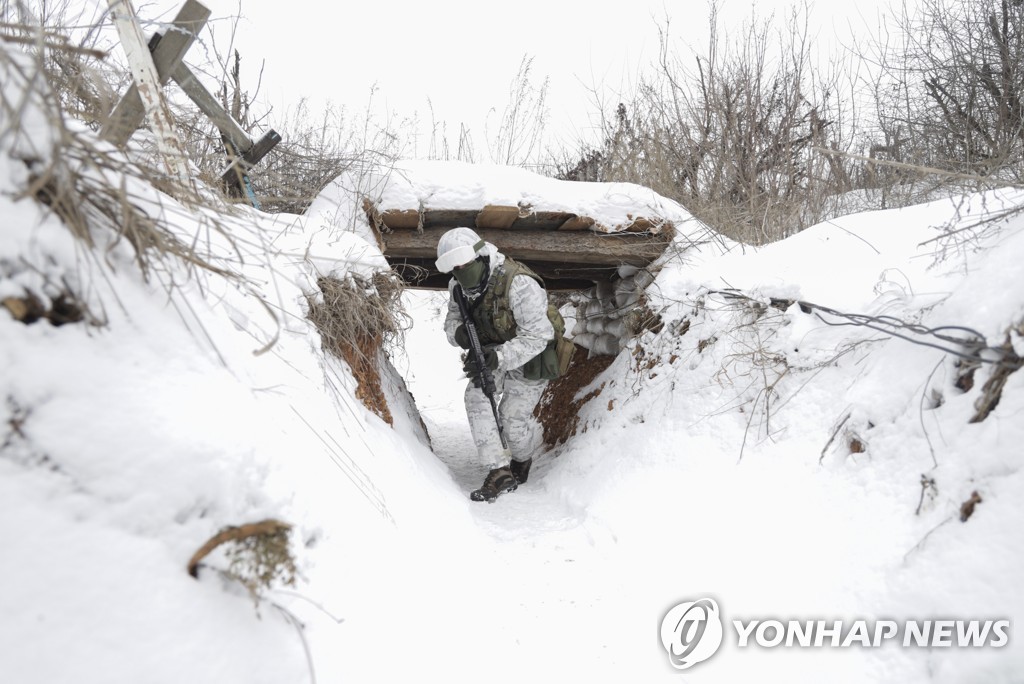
(147, 89)
(209, 106)
(129, 113)
(401, 219)
(449, 218)
(576, 222)
(495, 216)
(509, 218)
(582, 247)
(542, 220)
(646, 225)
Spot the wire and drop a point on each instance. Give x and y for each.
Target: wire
(896, 327)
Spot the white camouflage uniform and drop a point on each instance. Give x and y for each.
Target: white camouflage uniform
(517, 396)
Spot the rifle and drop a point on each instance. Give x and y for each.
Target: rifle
(483, 372)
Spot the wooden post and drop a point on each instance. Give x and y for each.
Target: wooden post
(147, 86)
(130, 112)
(240, 166)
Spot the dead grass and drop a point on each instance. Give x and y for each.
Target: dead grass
(356, 319)
(96, 190)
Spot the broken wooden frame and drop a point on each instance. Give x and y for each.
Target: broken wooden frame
(167, 52)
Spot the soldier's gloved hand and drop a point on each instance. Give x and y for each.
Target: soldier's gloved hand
(462, 337)
(490, 360)
(470, 369)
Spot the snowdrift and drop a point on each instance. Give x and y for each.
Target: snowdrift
(811, 434)
(185, 397)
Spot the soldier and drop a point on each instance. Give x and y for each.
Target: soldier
(523, 346)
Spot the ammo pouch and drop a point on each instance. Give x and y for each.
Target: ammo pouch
(554, 360)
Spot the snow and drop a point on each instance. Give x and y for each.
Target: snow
(415, 185)
(207, 401)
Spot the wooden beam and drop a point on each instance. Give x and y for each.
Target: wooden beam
(129, 113)
(401, 218)
(495, 216)
(541, 220)
(575, 222)
(209, 106)
(577, 247)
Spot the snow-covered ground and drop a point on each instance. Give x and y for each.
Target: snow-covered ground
(706, 467)
(687, 484)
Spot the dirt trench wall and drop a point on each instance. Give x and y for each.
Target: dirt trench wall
(559, 407)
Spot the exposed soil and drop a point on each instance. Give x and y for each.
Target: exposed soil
(362, 359)
(558, 408)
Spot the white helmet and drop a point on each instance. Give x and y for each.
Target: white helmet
(457, 247)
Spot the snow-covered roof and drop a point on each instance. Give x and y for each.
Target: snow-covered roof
(568, 231)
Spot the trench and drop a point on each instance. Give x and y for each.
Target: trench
(436, 381)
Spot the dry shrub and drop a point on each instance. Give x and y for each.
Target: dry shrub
(315, 149)
(73, 53)
(950, 85)
(356, 318)
(310, 155)
(731, 133)
(558, 408)
(258, 554)
(967, 507)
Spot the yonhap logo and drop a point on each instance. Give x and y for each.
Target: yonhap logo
(691, 632)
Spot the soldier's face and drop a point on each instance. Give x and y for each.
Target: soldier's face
(470, 275)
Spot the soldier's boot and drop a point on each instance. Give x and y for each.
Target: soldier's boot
(497, 482)
(520, 470)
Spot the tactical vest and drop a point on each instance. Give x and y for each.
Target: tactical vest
(495, 323)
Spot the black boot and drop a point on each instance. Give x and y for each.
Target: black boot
(520, 470)
(498, 481)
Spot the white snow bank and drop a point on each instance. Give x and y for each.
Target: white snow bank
(203, 401)
(700, 457)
